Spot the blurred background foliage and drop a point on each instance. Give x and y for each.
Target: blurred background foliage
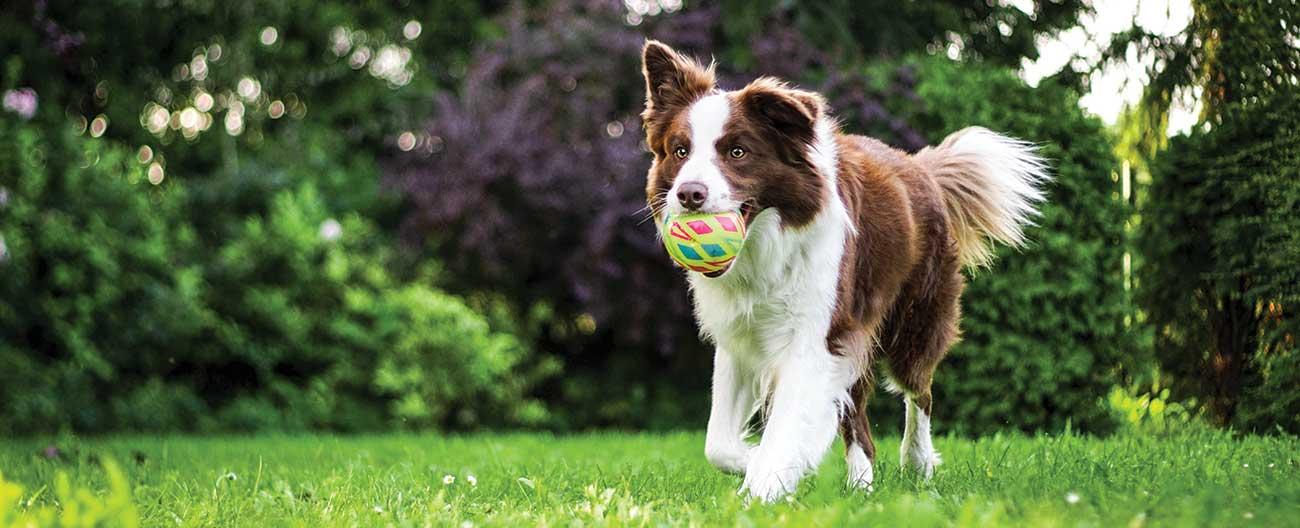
(249, 216)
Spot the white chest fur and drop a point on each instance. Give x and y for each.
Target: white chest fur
(781, 289)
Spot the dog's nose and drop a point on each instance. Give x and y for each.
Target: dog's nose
(692, 195)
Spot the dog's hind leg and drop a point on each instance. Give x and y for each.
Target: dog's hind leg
(859, 449)
(924, 333)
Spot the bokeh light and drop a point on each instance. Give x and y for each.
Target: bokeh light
(406, 141)
(412, 30)
(155, 173)
(99, 125)
(269, 35)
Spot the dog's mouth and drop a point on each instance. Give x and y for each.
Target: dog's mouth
(748, 209)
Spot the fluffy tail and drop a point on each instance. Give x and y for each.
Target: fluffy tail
(992, 185)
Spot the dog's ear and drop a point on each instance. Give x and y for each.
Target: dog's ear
(672, 80)
(792, 113)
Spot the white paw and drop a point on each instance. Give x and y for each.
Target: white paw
(861, 473)
(731, 459)
(769, 480)
(921, 459)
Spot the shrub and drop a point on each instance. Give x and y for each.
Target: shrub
(307, 320)
(1152, 412)
(89, 277)
(1221, 239)
(113, 315)
(1044, 332)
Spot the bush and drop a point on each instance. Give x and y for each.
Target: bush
(113, 315)
(1221, 240)
(1044, 332)
(310, 312)
(89, 278)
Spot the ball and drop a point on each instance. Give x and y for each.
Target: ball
(703, 242)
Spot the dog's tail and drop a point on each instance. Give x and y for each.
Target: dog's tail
(992, 185)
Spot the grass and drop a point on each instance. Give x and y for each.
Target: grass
(650, 479)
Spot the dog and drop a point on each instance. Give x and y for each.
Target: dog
(852, 262)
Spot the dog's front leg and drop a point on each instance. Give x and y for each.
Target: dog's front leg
(733, 404)
(801, 424)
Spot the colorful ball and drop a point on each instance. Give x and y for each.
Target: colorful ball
(704, 242)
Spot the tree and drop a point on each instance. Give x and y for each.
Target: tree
(1217, 211)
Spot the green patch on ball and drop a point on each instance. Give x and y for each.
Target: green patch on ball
(704, 242)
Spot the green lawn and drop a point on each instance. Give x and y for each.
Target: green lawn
(636, 479)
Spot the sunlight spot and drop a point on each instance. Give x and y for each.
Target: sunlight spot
(412, 30)
(98, 126)
(156, 177)
(359, 58)
(249, 88)
(189, 118)
(340, 41)
(406, 141)
(269, 35)
(331, 230)
(203, 101)
(199, 67)
(614, 129)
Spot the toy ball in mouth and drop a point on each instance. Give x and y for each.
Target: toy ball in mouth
(704, 242)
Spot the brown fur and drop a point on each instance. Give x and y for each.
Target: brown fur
(899, 280)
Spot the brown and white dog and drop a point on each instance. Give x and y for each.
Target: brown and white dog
(852, 260)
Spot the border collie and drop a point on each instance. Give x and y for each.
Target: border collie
(852, 262)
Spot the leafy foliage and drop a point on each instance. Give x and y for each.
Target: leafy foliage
(996, 32)
(1220, 282)
(114, 317)
(1232, 51)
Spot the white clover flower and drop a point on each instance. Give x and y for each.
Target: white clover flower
(448, 480)
(379, 509)
(471, 480)
(1072, 497)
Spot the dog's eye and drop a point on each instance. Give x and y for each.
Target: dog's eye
(736, 152)
(680, 152)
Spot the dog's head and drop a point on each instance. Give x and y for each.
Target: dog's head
(747, 150)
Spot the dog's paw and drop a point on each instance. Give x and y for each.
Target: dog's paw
(731, 459)
(921, 460)
(768, 481)
(861, 472)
